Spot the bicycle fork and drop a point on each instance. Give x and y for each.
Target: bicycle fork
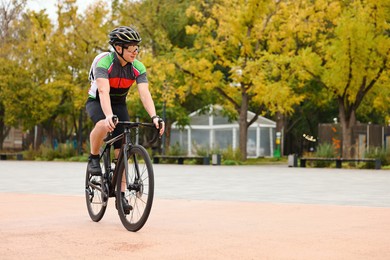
(135, 185)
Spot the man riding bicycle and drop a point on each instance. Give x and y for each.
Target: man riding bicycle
(111, 75)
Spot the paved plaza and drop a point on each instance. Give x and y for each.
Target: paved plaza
(200, 212)
(273, 184)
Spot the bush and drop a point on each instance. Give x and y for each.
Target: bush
(46, 153)
(377, 153)
(231, 162)
(231, 155)
(325, 150)
(176, 149)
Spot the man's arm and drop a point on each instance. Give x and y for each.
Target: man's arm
(147, 101)
(146, 98)
(105, 102)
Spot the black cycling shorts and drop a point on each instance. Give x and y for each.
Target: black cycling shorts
(96, 114)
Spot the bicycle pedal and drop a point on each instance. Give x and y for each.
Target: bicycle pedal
(126, 207)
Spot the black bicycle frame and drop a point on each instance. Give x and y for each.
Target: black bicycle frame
(122, 157)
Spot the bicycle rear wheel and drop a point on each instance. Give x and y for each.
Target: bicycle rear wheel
(140, 188)
(96, 195)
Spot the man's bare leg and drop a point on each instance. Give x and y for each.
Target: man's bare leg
(97, 136)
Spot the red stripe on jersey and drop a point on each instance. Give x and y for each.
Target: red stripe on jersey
(121, 82)
(136, 72)
(110, 68)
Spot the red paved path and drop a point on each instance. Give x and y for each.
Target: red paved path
(58, 227)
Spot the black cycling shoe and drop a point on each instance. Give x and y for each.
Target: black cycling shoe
(126, 206)
(94, 166)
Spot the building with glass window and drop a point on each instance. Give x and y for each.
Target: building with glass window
(212, 132)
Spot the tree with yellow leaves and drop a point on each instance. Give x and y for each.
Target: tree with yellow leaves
(346, 51)
(232, 55)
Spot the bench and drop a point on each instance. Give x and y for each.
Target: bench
(339, 161)
(205, 160)
(6, 156)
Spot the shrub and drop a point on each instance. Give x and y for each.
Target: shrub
(377, 153)
(176, 149)
(46, 153)
(231, 162)
(231, 154)
(324, 150)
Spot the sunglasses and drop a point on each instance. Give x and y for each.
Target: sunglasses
(132, 48)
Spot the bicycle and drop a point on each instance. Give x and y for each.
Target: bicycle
(132, 165)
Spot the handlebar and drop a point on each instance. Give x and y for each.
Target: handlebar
(129, 124)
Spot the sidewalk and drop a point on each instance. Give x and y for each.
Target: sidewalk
(271, 184)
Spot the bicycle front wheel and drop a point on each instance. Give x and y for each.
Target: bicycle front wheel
(136, 190)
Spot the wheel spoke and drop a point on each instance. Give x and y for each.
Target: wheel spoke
(140, 189)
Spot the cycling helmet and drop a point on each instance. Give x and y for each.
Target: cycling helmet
(123, 35)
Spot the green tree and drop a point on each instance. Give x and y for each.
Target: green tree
(35, 103)
(9, 13)
(232, 55)
(46, 84)
(162, 26)
(78, 39)
(349, 57)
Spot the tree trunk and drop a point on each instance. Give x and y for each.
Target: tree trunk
(49, 131)
(243, 126)
(167, 137)
(348, 121)
(38, 136)
(4, 131)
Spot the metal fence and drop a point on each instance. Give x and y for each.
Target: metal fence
(364, 137)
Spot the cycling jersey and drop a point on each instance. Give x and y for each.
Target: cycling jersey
(107, 65)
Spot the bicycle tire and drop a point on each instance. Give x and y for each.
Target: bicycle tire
(138, 194)
(95, 190)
